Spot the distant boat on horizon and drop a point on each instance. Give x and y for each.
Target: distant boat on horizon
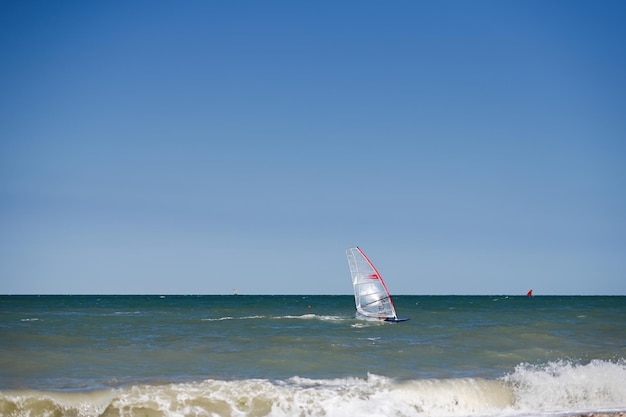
(371, 297)
(529, 293)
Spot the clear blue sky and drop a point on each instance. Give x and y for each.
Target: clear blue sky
(469, 147)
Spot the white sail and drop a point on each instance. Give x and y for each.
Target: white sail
(370, 292)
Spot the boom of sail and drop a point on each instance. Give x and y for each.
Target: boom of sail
(371, 296)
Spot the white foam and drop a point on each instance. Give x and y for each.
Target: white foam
(342, 397)
(555, 388)
(311, 316)
(220, 319)
(234, 318)
(364, 324)
(563, 386)
(308, 316)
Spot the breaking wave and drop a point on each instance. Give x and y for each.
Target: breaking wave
(555, 388)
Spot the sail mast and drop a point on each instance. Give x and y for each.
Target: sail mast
(371, 295)
(380, 278)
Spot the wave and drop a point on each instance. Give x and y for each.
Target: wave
(563, 384)
(556, 388)
(234, 318)
(309, 316)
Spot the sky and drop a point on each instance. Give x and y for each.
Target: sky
(161, 147)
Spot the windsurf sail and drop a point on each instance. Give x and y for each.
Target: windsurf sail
(371, 296)
(529, 293)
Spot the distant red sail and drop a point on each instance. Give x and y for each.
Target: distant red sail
(529, 293)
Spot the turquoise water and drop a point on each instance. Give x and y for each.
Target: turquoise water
(267, 355)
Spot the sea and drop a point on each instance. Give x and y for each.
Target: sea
(307, 355)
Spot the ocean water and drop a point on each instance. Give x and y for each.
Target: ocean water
(308, 356)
